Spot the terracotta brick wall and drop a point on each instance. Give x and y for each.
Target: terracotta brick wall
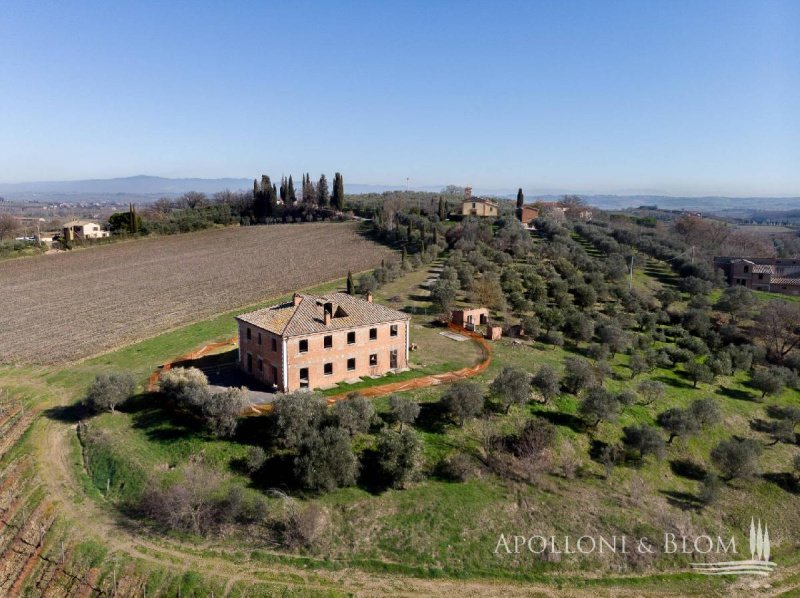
(317, 355)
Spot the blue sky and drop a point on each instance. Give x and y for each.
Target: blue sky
(678, 97)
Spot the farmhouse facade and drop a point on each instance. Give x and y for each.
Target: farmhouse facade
(480, 207)
(315, 341)
(775, 275)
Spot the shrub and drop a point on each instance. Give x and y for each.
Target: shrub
(255, 459)
(458, 467)
(537, 436)
(109, 391)
(187, 387)
(221, 411)
(710, 489)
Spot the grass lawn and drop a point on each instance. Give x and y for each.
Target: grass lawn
(443, 528)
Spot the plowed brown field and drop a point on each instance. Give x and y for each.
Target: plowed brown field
(63, 307)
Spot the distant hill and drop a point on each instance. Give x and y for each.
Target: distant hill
(143, 188)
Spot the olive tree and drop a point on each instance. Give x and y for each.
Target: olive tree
(547, 381)
(403, 410)
(463, 401)
(108, 391)
(399, 456)
(736, 458)
(512, 386)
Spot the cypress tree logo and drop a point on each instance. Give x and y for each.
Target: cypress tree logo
(759, 563)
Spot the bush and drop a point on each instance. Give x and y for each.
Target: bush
(768, 380)
(221, 411)
(458, 467)
(255, 459)
(710, 489)
(536, 437)
(399, 456)
(326, 461)
(187, 387)
(463, 401)
(108, 391)
(195, 504)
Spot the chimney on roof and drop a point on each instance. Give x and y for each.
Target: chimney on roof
(328, 310)
(296, 299)
(369, 296)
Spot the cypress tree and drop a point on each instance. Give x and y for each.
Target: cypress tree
(323, 193)
(283, 189)
(337, 199)
(442, 209)
(520, 199)
(350, 286)
(290, 192)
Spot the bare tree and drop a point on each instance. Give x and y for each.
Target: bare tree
(779, 326)
(8, 225)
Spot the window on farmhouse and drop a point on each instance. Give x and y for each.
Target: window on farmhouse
(373, 359)
(274, 344)
(304, 346)
(249, 334)
(351, 338)
(373, 334)
(260, 365)
(328, 369)
(328, 342)
(259, 338)
(393, 330)
(351, 364)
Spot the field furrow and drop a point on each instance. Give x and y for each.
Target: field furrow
(69, 306)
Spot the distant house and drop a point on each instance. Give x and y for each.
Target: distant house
(314, 341)
(480, 207)
(527, 214)
(775, 275)
(83, 229)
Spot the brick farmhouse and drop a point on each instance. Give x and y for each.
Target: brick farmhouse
(776, 275)
(314, 341)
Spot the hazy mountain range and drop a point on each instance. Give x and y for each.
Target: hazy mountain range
(143, 188)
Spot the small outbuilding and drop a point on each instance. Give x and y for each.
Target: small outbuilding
(471, 317)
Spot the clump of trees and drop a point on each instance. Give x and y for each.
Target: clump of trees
(188, 390)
